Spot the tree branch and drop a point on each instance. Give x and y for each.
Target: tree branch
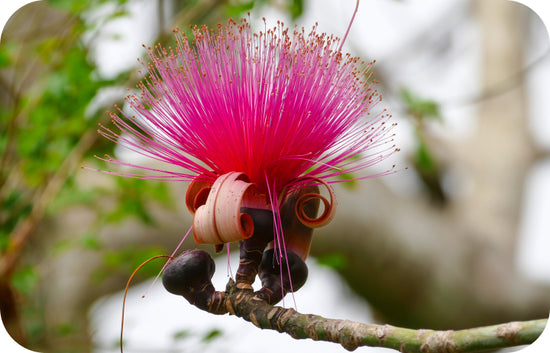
(24, 230)
(350, 334)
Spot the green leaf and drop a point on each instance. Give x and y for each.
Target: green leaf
(420, 108)
(296, 8)
(4, 240)
(90, 241)
(126, 260)
(6, 53)
(335, 261)
(66, 5)
(25, 279)
(236, 10)
(423, 157)
(181, 335)
(134, 195)
(212, 335)
(65, 329)
(119, 14)
(78, 6)
(13, 208)
(61, 247)
(71, 194)
(348, 183)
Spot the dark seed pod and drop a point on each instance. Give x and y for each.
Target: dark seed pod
(188, 272)
(270, 275)
(190, 275)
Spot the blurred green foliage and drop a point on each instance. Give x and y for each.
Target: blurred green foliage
(181, 335)
(133, 196)
(236, 9)
(5, 56)
(49, 84)
(335, 261)
(422, 111)
(80, 6)
(65, 329)
(48, 80)
(418, 107)
(212, 335)
(129, 258)
(424, 158)
(294, 8)
(47, 129)
(25, 279)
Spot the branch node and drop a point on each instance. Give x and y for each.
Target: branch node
(254, 320)
(439, 342)
(229, 307)
(286, 315)
(382, 333)
(509, 331)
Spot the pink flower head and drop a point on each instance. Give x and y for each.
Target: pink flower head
(280, 107)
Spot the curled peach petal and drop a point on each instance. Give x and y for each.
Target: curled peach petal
(197, 193)
(328, 212)
(220, 220)
(204, 226)
(231, 223)
(200, 198)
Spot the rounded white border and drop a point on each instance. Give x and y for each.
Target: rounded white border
(8, 8)
(540, 7)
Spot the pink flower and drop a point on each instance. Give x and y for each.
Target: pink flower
(281, 108)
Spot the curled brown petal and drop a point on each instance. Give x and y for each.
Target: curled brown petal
(328, 212)
(220, 220)
(298, 236)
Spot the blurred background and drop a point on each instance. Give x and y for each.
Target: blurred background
(459, 239)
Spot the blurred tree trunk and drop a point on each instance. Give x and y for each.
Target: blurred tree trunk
(453, 267)
(500, 152)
